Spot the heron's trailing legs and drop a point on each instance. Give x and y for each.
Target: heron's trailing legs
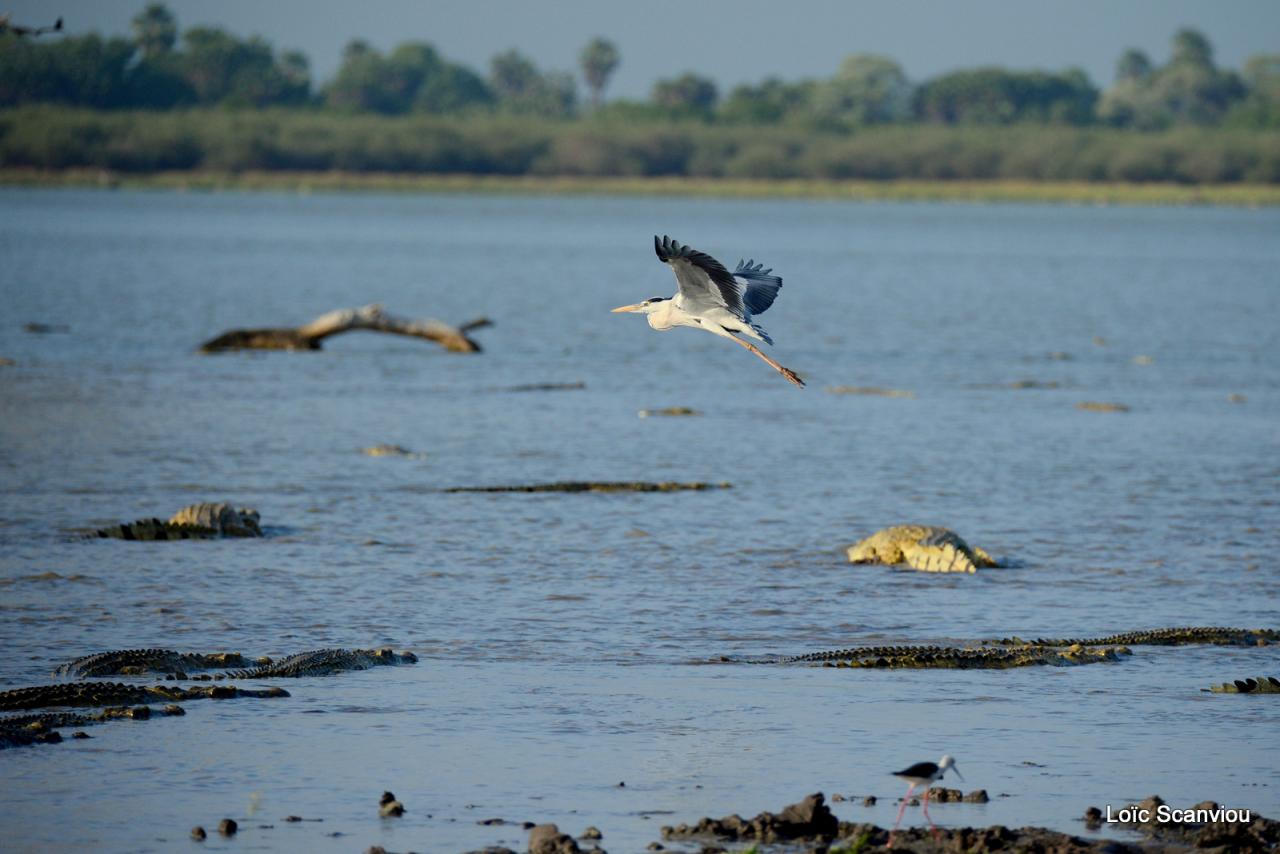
(791, 375)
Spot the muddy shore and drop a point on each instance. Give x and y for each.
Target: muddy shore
(810, 827)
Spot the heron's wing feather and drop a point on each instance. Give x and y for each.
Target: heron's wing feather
(760, 288)
(702, 280)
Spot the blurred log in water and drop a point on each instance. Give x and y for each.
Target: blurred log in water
(370, 317)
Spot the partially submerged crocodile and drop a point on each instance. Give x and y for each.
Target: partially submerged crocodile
(959, 658)
(135, 662)
(42, 727)
(1260, 685)
(924, 547)
(116, 693)
(1013, 652)
(1179, 636)
(324, 662)
(317, 662)
(202, 521)
(120, 698)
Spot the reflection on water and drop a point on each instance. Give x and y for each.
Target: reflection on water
(557, 632)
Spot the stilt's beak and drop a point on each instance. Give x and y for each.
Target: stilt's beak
(635, 307)
(957, 770)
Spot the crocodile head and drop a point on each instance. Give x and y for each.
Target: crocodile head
(386, 655)
(250, 519)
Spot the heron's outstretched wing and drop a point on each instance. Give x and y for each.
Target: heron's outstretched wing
(760, 288)
(702, 280)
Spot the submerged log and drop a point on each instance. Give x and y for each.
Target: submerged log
(370, 317)
(596, 486)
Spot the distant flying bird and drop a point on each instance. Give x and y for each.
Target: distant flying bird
(922, 774)
(22, 31)
(710, 297)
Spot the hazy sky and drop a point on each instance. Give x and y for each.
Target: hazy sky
(731, 41)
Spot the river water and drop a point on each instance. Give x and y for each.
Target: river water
(565, 639)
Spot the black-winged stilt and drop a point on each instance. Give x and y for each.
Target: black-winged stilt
(922, 774)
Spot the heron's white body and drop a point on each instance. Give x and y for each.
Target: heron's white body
(669, 314)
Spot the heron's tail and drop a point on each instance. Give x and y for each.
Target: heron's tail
(760, 334)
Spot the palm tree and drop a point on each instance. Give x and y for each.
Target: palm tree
(599, 59)
(155, 30)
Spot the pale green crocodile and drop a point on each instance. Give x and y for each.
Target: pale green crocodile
(202, 521)
(924, 547)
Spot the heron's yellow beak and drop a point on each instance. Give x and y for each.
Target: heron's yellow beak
(637, 307)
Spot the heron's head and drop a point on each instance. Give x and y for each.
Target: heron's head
(647, 307)
(949, 764)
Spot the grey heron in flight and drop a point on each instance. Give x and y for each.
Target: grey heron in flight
(709, 297)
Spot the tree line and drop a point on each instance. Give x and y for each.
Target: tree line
(282, 140)
(159, 69)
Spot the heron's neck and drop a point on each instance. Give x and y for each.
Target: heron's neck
(660, 318)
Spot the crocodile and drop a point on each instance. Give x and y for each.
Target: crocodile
(42, 727)
(1259, 685)
(135, 662)
(221, 517)
(324, 662)
(1014, 652)
(319, 662)
(23, 736)
(117, 693)
(928, 548)
(206, 520)
(960, 658)
(60, 720)
(152, 529)
(1178, 636)
(122, 699)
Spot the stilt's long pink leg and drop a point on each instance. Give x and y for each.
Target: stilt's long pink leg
(791, 375)
(901, 810)
(926, 815)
